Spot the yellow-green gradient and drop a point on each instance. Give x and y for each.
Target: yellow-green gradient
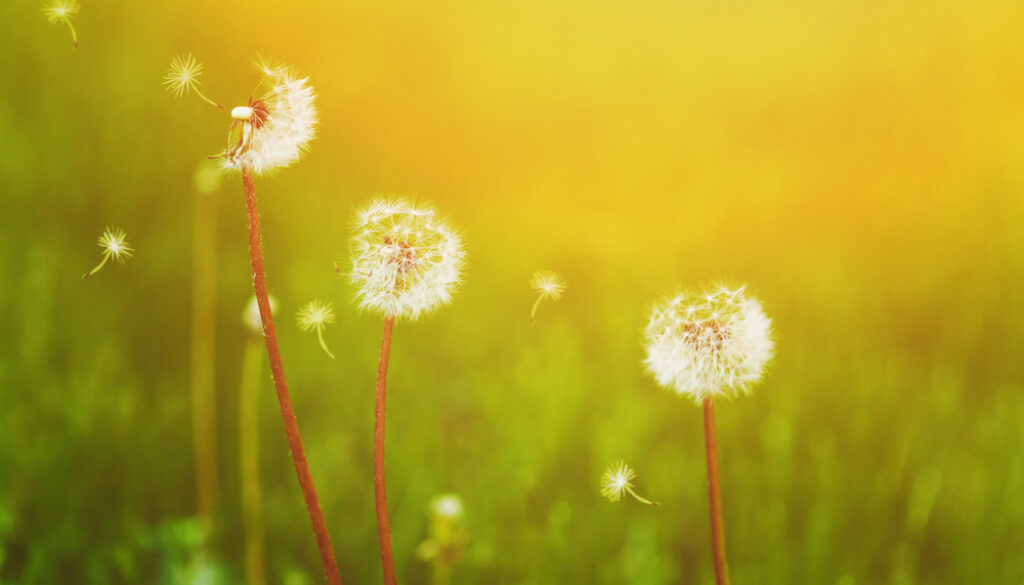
(859, 164)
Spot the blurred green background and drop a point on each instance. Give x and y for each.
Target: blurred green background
(859, 165)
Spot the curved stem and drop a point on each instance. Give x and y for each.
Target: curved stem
(320, 336)
(387, 557)
(640, 498)
(106, 256)
(291, 427)
(533, 311)
(249, 443)
(715, 496)
(74, 35)
(208, 100)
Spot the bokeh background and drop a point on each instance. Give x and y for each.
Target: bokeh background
(859, 165)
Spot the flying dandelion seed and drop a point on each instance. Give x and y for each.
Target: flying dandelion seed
(183, 77)
(618, 480)
(115, 245)
(548, 285)
(60, 12)
(406, 260)
(272, 131)
(708, 343)
(315, 315)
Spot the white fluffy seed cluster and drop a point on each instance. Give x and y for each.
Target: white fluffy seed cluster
(406, 260)
(280, 139)
(708, 343)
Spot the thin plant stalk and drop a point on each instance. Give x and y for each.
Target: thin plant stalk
(291, 427)
(323, 344)
(640, 498)
(715, 496)
(102, 263)
(249, 439)
(74, 35)
(533, 311)
(387, 558)
(203, 381)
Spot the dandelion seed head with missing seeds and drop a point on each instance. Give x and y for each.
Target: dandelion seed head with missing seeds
(315, 314)
(549, 284)
(708, 343)
(272, 131)
(406, 260)
(251, 316)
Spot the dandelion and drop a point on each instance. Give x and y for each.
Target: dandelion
(60, 12)
(183, 77)
(314, 316)
(272, 131)
(115, 245)
(406, 261)
(704, 344)
(618, 480)
(446, 539)
(548, 285)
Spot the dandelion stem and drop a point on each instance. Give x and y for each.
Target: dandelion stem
(640, 498)
(249, 441)
(533, 311)
(203, 372)
(74, 35)
(323, 344)
(380, 495)
(106, 256)
(291, 427)
(715, 496)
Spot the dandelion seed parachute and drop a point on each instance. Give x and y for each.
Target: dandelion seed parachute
(60, 12)
(617, 479)
(272, 131)
(708, 343)
(406, 260)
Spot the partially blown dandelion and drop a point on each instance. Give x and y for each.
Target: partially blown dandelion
(704, 344)
(272, 131)
(315, 315)
(271, 134)
(548, 285)
(60, 12)
(115, 245)
(618, 480)
(405, 262)
(183, 77)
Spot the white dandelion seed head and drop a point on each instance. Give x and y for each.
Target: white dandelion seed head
(272, 131)
(448, 506)
(60, 10)
(251, 317)
(115, 244)
(708, 343)
(549, 284)
(315, 314)
(616, 480)
(406, 260)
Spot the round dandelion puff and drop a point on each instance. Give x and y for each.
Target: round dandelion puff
(115, 246)
(60, 12)
(272, 131)
(548, 285)
(183, 77)
(708, 343)
(406, 260)
(314, 315)
(251, 316)
(618, 480)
